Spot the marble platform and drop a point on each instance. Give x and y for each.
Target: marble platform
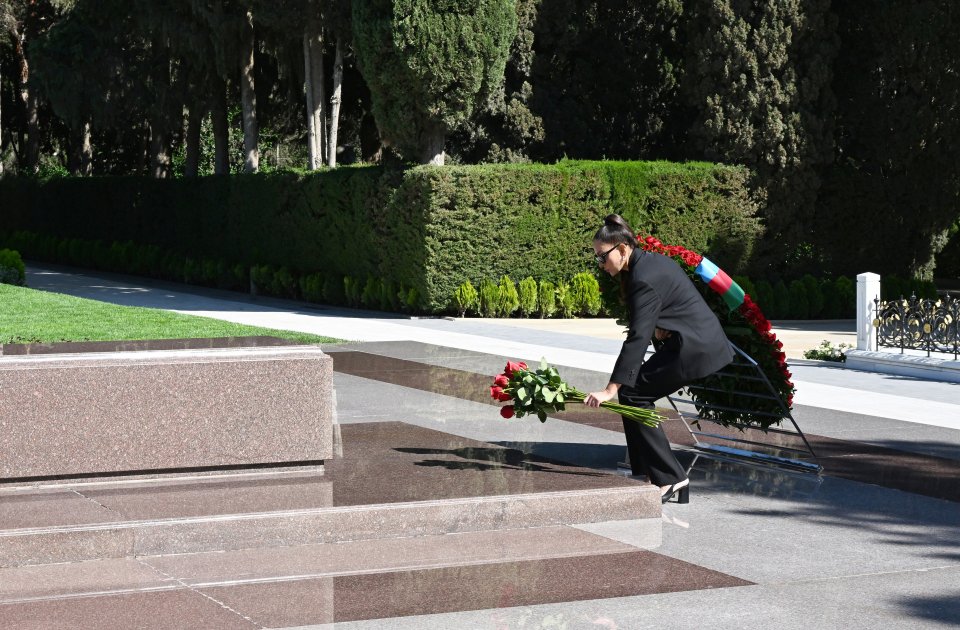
(394, 480)
(109, 409)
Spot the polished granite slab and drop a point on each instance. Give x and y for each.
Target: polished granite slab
(311, 561)
(920, 473)
(393, 480)
(297, 601)
(95, 414)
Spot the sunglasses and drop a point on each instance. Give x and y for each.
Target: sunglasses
(602, 258)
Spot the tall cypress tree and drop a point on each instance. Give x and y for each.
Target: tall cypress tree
(898, 88)
(759, 75)
(605, 78)
(430, 64)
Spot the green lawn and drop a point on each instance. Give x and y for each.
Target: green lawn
(30, 316)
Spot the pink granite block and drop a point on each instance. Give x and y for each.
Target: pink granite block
(129, 412)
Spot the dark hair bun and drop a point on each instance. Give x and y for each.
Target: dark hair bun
(615, 220)
(615, 230)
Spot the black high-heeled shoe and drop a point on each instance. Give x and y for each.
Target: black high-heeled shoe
(683, 493)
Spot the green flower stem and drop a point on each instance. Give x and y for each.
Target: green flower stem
(645, 416)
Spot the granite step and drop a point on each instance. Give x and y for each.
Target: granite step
(204, 570)
(394, 481)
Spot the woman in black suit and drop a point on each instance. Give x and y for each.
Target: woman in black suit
(664, 306)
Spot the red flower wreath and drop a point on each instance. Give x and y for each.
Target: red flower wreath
(755, 338)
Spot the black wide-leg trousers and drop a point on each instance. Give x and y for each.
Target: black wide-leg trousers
(648, 447)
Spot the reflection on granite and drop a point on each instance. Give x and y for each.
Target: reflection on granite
(394, 480)
(912, 472)
(379, 556)
(143, 344)
(431, 591)
(383, 462)
(299, 602)
(393, 462)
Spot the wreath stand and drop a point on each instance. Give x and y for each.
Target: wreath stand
(797, 456)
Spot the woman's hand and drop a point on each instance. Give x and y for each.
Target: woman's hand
(594, 399)
(660, 334)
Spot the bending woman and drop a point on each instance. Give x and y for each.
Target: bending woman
(664, 306)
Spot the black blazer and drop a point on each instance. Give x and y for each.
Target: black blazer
(659, 293)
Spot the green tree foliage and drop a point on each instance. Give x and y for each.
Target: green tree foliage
(758, 77)
(605, 78)
(430, 65)
(506, 127)
(898, 91)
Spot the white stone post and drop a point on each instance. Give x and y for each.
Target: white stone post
(868, 289)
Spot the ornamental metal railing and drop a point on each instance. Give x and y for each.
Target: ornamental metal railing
(931, 325)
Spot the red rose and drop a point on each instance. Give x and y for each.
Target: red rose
(497, 392)
(513, 367)
(507, 411)
(501, 380)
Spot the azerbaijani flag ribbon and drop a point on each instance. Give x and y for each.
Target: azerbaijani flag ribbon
(720, 282)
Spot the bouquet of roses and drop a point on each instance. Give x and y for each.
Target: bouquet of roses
(543, 391)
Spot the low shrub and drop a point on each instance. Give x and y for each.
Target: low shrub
(528, 296)
(465, 298)
(546, 299)
(489, 298)
(585, 294)
(508, 300)
(12, 269)
(826, 351)
(565, 304)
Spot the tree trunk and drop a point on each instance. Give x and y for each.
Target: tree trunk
(81, 152)
(191, 165)
(221, 130)
(308, 97)
(248, 97)
(335, 105)
(312, 158)
(316, 100)
(431, 146)
(31, 154)
(159, 154)
(86, 151)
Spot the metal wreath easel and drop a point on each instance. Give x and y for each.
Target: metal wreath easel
(782, 456)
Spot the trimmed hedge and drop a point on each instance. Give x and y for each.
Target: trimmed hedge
(385, 239)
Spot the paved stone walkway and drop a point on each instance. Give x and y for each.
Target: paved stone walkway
(873, 542)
